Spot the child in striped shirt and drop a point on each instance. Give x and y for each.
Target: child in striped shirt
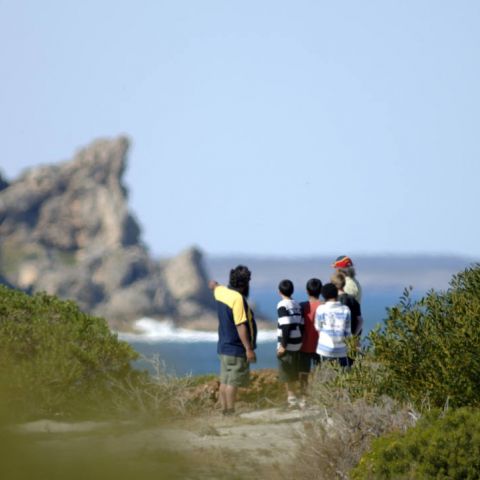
(290, 328)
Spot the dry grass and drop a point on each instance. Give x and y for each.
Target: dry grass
(159, 394)
(336, 439)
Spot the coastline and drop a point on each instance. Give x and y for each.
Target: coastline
(151, 330)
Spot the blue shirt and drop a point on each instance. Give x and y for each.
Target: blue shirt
(233, 310)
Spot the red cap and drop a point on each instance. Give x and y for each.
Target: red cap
(342, 262)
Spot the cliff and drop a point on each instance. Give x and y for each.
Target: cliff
(66, 229)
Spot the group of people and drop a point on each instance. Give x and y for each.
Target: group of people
(308, 333)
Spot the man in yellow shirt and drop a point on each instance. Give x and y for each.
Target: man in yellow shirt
(237, 333)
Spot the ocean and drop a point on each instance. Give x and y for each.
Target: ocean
(187, 352)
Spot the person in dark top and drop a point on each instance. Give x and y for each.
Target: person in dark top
(289, 339)
(308, 353)
(344, 264)
(338, 279)
(237, 334)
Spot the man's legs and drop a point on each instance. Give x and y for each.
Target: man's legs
(288, 374)
(303, 378)
(234, 372)
(222, 396)
(304, 368)
(291, 393)
(230, 397)
(227, 395)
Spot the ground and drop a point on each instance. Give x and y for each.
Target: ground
(258, 442)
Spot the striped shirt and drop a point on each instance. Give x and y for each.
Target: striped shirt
(332, 320)
(290, 325)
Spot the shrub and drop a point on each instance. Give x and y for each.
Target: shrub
(53, 357)
(341, 432)
(438, 447)
(427, 350)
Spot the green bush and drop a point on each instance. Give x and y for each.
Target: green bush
(438, 447)
(427, 351)
(55, 358)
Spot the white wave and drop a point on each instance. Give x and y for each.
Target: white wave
(151, 331)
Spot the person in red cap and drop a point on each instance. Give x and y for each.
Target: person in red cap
(344, 264)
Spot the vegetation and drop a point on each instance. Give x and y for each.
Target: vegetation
(58, 361)
(342, 431)
(425, 356)
(55, 358)
(12, 256)
(438, 447)
(427, 350)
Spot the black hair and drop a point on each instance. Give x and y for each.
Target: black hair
(314, 287)
(329, 291)
(240, 279)
(286, 288)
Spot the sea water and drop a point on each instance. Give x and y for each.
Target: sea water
(184, 352)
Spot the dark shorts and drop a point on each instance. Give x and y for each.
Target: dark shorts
(234, 371)
(288, 367)
(306, 361)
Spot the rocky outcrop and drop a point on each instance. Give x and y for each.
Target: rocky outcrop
(187, 283)
(66, 229)
(80, 204)
(3, 182)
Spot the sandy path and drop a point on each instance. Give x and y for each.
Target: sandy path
(263, 437)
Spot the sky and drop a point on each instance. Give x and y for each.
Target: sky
(264, 127)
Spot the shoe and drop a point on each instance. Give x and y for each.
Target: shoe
(302, 403)
(228, 412)
(292, 402)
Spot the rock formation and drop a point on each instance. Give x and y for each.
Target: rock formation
(66, 229)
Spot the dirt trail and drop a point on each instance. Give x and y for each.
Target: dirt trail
(248, 440)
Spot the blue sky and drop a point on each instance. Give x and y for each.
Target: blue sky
(264, 127)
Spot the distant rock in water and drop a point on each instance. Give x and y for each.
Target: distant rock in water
(66, 229)
(3, 182)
